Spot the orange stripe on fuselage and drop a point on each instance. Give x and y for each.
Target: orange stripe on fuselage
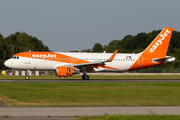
(145, 61)
(107, 67)
(52, 56)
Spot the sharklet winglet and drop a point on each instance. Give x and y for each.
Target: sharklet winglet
(112, 57)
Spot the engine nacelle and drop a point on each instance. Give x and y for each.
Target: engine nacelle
(66, 71)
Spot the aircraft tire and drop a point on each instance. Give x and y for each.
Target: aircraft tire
(85, 77)
(27, 77)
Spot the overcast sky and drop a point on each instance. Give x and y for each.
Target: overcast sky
(65, 25)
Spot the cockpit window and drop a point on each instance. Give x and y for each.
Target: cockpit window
(15, 57)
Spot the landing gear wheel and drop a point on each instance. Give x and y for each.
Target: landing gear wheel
(85, 77)
(27, 77)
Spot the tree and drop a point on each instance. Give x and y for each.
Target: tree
(86, 50)
(97, 48)
(112, 46)
(18, 42)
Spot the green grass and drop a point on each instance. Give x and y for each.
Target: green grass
(131, 117)
(98, 77)
(90, 94)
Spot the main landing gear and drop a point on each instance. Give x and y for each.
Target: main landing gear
(85, 77)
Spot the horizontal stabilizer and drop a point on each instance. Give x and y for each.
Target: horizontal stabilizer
(166, 59)
(159, 59)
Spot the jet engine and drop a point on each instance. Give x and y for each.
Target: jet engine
(66, 71)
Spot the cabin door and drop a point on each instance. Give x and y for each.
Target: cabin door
(27, 58)
(140, 61)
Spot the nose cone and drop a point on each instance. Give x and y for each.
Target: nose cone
(7, 63)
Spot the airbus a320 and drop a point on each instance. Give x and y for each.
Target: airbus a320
(66, 64)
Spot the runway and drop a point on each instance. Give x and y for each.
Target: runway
(91, 81)
(88, 111)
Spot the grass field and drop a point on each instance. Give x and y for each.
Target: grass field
(98, 77)
(131, 117)
(90, 94)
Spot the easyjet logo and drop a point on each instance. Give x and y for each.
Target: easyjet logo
(44, 55)
(159, 41)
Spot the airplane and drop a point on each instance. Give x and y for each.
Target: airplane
(66, 64)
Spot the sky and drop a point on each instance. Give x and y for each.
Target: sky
(65, 25)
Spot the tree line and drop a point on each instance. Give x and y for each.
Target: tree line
(18, 42)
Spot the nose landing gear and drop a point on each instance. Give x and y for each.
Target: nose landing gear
(27, 75)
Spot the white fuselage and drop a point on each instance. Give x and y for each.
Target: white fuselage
(121, 62)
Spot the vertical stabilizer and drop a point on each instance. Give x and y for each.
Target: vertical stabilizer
(155, 51)
(159, 45)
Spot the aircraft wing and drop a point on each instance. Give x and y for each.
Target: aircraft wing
(91, 65)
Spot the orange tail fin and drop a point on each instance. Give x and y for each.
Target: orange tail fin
(159, 45)
(156, 51)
